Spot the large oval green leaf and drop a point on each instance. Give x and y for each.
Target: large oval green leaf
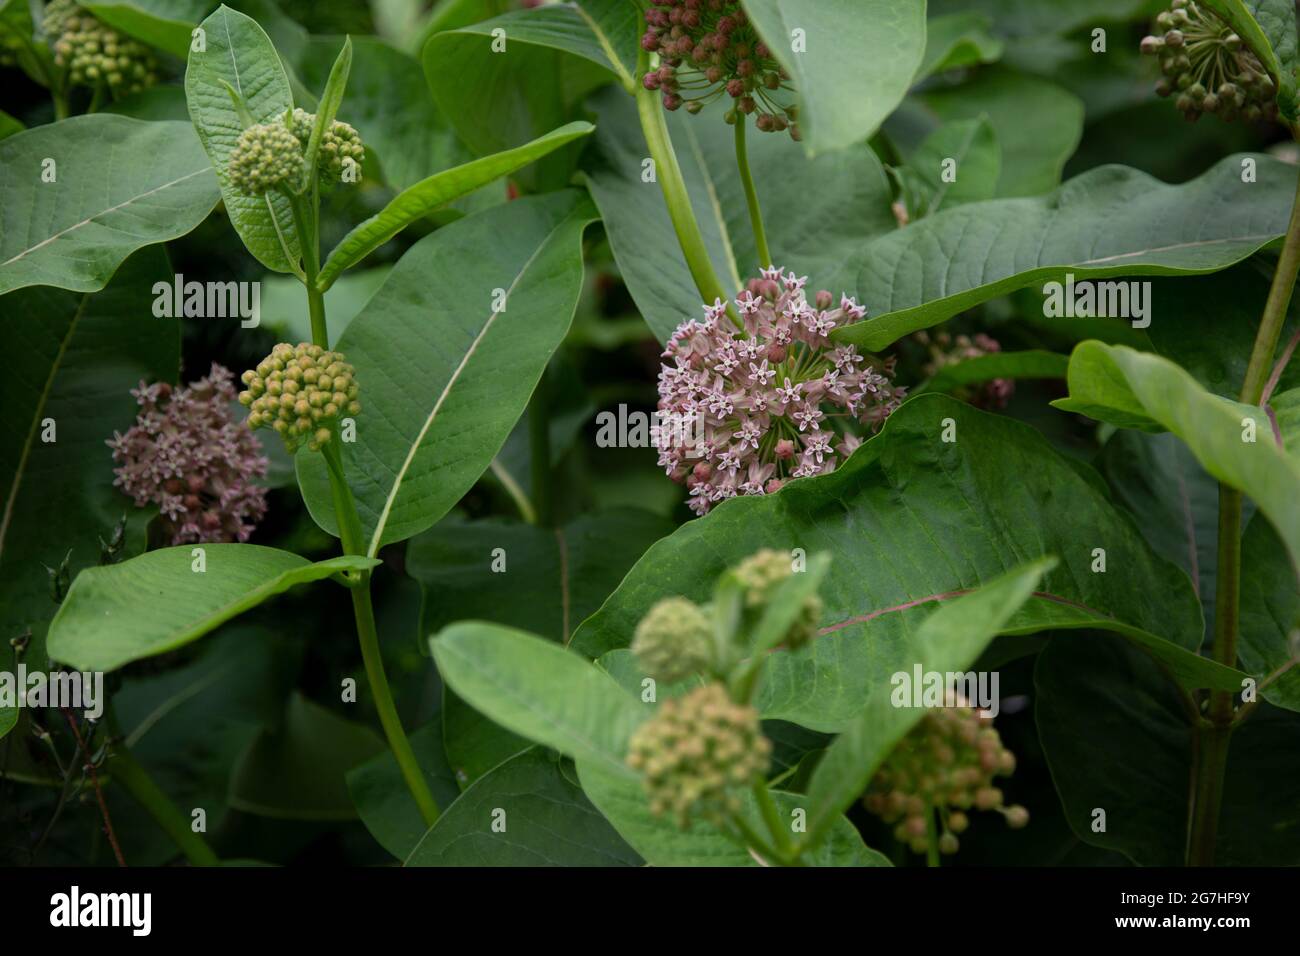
(851, 61)
(1107, 222)
(73, 360)
(238, 55)
(1233, 442)
(546, 821)
(541, 691)
(160, 601)
(83, 194)
(888, 516)
(443, 375)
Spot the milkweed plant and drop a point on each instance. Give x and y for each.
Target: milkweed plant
(465, 436)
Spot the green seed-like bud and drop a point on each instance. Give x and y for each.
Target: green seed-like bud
(672, 641)
(279, 396)
(265, 157)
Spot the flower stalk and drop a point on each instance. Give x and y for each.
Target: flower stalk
(751, 194)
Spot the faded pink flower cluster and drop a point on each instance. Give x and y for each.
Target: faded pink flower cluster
(945, 350)
(742, 411)
(188, 454)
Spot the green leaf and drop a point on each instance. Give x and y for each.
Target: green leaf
(957, 40)
(623, 802)
(73, 360)
(617, 27)
(948, 641)
(118, 184)
(540, 691)
(9, 125)
(298, 770)
(330, 100)
(444, 377)
(1174, 502)
(895, 555)
(1108, 222)
(971, 149)
(1138, 390)
(851, 61)
(1116, 737)
(548, 822)
(552, 580)
(494, 100)
(240, 55)
(1033, 363)
(1269, 616)
(1037, 123)
(384, 803)
(165, 24)
(828, 208)
(158, 602)
(424, 197)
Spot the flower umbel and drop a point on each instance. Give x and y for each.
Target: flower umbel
(265, 157)
(301, 391)
(698, 753)
(1208, 67)
(946, 764)
(340, 146)
(709, 48)
(761, 574)
(672, 640)
(746, 410)
(187, 454)
(94, 53)
(945, 350)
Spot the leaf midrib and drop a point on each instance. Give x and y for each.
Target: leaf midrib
(400, 476)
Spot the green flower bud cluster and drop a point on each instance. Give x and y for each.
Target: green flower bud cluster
(698, 754)
(674, 641)
(266, 156)
(340, 145)
(300, 391)
(1207, 67)
(945, 765)
(95, 54)
(761, 574)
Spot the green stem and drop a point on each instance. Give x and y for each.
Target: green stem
(353, 540)
(539, 451)
(1216, 733)
(124, 769)
(772, 817)
(751, 195)
(669, 175)
(931, 839)
(1275, 309)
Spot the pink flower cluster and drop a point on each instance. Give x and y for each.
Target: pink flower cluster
(742, 411)
(945, 350)
(189, 455)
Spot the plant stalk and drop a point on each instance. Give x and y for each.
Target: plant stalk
(751, 194)
(124, 769)
(1216, 733)
(669, 174)
(353, 540)
(772, 818)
